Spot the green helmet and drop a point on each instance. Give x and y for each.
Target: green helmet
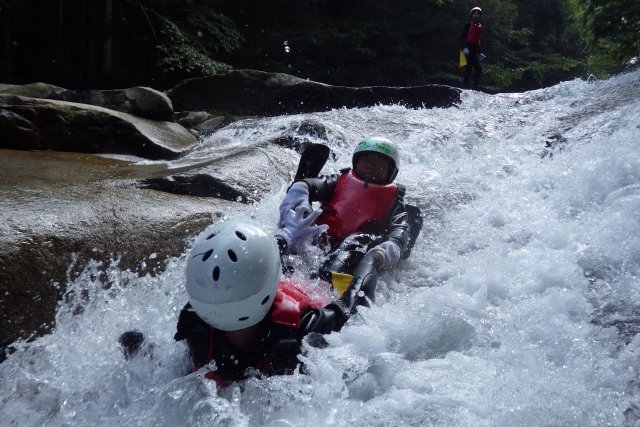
(382, 146)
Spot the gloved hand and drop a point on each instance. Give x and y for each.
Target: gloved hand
(465, 51)
(390, 251)
(364, 283)
(297, 227)
(298, 195)
(324, 320)
(482, 56)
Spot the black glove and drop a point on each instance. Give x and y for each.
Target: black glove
(131, 342)
(324, 320)
(364, 282)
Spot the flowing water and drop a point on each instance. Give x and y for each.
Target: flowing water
(520, 304)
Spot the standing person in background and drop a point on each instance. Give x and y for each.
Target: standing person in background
(470, 45)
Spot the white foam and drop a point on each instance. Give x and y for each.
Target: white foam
(511, 311)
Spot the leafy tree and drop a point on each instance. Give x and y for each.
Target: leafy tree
(356, 42)
(611, 30)
(107, 43)
(540, 48)
(403, 42)
(187, 36)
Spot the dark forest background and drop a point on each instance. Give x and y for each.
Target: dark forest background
(106, 44)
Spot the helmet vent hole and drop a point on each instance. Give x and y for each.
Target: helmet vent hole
(264, 301)
(207, 254)
(241, 236)
(216, 273)
(232, 255)
(241, 319)
(212, 235)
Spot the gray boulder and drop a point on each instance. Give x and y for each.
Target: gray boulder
(39, 124)
(139, 101)
(33, 90)
(258, 93)
(60, 210)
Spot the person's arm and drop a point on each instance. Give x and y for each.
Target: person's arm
(321, 188)
(333, 316)
(298, 225)
(398, 227)
(395, 241)
(305, 191)
(297, 196)
(196, 332)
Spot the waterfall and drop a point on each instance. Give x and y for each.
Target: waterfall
(520, 303)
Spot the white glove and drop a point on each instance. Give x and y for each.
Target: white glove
(298, 195)
(297, 228)
(482, 56)
(465, 51)
(391, 252)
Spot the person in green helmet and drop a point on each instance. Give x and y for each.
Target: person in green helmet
(368, 229)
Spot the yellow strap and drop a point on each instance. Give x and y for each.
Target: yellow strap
(340, 282)
(463, 60)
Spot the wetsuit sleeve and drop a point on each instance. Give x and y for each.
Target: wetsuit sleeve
(322, 320)
(398, 226)
(333, 316)
(321, 188)
(196, 332)
(463, 35)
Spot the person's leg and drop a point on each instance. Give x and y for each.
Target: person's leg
(474, 62)
(467, 72)
(477, 74)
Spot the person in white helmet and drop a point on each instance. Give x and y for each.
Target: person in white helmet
(243, 318)
(363, 208)
(470, 45)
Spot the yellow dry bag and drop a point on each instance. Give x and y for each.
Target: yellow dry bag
(463, 60)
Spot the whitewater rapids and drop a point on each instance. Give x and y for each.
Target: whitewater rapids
(520, 304)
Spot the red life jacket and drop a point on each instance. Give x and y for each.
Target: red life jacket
(357, 207)
(475, 33)
(289, 304)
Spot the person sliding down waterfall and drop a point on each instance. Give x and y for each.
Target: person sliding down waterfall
(363, 209)
(242, 315)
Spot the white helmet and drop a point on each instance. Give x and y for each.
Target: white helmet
(232, 275)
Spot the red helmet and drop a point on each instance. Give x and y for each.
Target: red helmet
(477, 8)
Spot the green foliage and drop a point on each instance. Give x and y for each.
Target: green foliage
(406, 42)
(530, 44)
(602, 64)
(177, 54)
(537, 72)
(611, 30)
(617, 23)
(188, 34)
(357, 42)
(202, 23)
(12, 5)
